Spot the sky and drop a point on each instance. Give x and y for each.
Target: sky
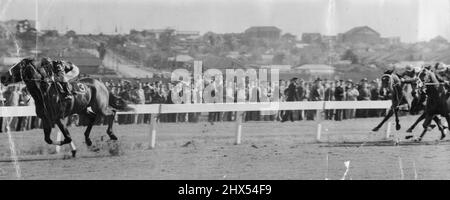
(412, 20)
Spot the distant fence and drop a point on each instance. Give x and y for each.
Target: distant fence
(240, 108)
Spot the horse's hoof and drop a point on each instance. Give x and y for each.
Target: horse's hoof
(409, 130)
(74, 153)
(442, 137)
(375, 129)
(432, 126)
(113, 137)
(397, 127)
(88, 142)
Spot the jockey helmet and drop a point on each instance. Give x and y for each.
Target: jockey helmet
(440, 67)
(408, 68)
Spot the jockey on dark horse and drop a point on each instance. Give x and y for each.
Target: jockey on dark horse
(409, 77)
(62, 72)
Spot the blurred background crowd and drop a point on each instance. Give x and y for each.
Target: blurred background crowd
(135, 91)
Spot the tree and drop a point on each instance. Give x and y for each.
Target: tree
(71, 33)
(278, 58)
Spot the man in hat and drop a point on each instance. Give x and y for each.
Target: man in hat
(364, 95)
(339, 95)
(290, 93)
(300, 95)
(329, 96)
(409, 77)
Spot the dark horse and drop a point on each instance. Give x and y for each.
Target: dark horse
(437, 103)
(393, 84)
(52, 109)
(418, 105)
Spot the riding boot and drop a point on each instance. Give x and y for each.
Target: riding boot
(67, 93)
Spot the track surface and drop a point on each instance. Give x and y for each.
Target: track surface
(269, 150)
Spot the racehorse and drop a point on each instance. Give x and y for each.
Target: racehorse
(437, 103)
(52, 109)
(418, 105)
(398, 96)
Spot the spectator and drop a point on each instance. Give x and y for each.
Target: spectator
(290, 93)
(374, 96)
(364, 95)
(329, 96)
(339, 95)
(352, 95)
(301, 96)
(12, 99)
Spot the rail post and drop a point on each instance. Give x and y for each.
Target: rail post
(238, 127)
(319, 119)
(388, 129)
(153, 131)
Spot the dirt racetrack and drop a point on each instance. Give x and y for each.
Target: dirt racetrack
(269, 150)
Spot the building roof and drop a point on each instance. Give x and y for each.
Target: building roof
(361, 29)
(311, 34)
(262, 28)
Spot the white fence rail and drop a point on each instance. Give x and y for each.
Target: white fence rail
(17, 111)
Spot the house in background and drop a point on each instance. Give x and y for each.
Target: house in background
(263, 32)
(361, 34)
(311, 38)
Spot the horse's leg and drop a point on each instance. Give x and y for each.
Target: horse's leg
(410, 129)
(65, 132)
(47, 131)
(388, 115)
(447, 117)
(110, 120)
(425, 125)
(67, 138)
(91, 119)
(397, 121)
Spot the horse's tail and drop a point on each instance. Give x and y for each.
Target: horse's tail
(118, 103)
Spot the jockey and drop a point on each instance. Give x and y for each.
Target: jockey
(65, 71)
(442, 76)
(409, 77)
(441, 72)
(62, 72)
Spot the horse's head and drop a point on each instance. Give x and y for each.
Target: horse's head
(21, 71)
(386, 81)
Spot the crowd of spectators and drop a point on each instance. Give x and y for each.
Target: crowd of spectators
(159, 92)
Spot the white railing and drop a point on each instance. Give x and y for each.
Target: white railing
(17, 111)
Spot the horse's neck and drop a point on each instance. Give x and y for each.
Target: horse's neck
(37, 97)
